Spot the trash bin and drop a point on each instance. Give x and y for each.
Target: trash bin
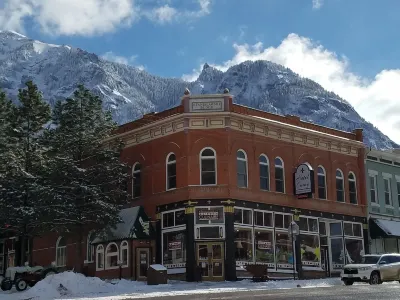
(157, 274)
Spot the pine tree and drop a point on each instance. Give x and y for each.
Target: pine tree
(21, 198)
(86, 174)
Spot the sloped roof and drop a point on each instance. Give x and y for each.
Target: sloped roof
(134, 225)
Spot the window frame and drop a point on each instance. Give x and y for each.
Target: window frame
(265, 164)
(59, 249)
(343, 188)
(282, 166)
(174, 212)
(107, 255)
(90, 249)
(124, 247)
(100, 250)
(325, 185)
(388, 177)
(243, 209)
(263, 212)
(167, 176)
(245, 160)
(133, 179)
(354, 180)
(201, 158)
(398, 189)
(373, 174)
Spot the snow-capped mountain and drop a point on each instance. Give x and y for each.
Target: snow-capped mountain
(130, 92)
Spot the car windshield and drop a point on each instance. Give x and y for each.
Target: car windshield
(370, 259)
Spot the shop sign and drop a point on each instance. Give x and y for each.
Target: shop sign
(174, 246)
(303, 179)
(206, 105)
(265, 245)
(206, 215)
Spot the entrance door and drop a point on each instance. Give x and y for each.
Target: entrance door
(325, 260)
(210, 257)
(142, 262)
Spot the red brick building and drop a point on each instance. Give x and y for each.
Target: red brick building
(217, 181)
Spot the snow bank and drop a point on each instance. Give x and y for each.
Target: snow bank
(69, 285)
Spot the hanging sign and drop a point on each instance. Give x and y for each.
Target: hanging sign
(174, 246)
(303, 179)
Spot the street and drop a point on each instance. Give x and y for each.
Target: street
(364, 292)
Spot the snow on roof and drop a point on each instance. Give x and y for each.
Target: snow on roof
(305, 129)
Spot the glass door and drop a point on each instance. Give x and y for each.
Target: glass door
(142, 262)
(210, 257)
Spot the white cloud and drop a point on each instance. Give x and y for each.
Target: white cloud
(90, 17)
(376, 100)
(111, 56)
(316, 4)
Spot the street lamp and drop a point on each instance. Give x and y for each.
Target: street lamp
(293, 231)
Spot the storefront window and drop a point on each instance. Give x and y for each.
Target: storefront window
(263, 219)
(243, 216)
(335, 228)
(283, 250)
(173, 218)
(354, 250)
(337, 253)
(244, 244)
(310, 251)
(174, 248)
(264, 247)
(282, 221)
(391, 245)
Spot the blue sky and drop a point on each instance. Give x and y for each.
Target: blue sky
(348, 46)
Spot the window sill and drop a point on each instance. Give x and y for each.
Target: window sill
(99, 269)
(375, 204)
(88, 261)
(389, 206)
(171, 189)
(111, 268)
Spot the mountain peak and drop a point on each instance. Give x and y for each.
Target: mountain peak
(206, 66)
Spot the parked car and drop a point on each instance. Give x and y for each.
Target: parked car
(373, 268)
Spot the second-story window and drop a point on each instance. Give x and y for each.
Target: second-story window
(339, 186)
(352, 188)
(171, 171)
(321, 183)
(241, 165)
(208, 167)
(388, 191)
(279, 175)
(264, 172)
(136, 180)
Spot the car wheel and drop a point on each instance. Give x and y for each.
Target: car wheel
(375, 278)
(6, 284)
(348, 282)
(21, 285)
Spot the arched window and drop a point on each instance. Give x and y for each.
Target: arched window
(241, 168)
(112, 256)
(352, 188)
(279, 175)
(136, 180)
(124, 253)
(339, 186)
(264, 172)
(208, 169)
(171, 171)
(321, 182)
(90, 247)
(100, 257)
(61, 252)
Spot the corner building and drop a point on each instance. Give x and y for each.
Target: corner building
(217, 179)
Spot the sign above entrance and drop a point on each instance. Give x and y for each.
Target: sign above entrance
(303, 179)
(206, 215)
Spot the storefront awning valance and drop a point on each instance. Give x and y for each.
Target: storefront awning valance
(384, 228)
(135, 225)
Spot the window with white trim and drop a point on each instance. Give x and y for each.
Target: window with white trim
(321, 182)
(243, 216)
(264, 172)
(241, 169)
(173, 218)
(100, 257)
(279, 175)
(339, 186)
(90, 247)
(171, 171)
(373, 190)
(388, 191)
(61, 252)
(354, 243)
(112, 256)
(208, 167)
(398, 191)
(136, 180)
(352, 188)
(124, 254)
(263, 219)
(310, 241)
(283, 242)
(282, 221)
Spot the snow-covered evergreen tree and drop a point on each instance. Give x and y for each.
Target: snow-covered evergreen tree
(87, 177)
(22, 184)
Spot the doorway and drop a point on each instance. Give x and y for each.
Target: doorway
(210, 257)
(142, 263)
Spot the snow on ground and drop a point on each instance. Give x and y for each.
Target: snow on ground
(69, 285)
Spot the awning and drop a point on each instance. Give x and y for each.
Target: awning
(135, 225)
(384, 228)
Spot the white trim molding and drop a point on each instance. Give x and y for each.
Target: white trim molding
(387, 175)
(373, 172)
